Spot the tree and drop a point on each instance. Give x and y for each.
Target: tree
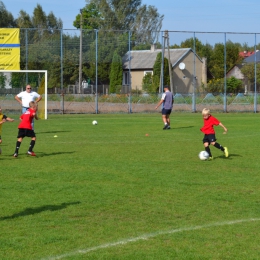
(147, 82)
(216, 62)
(6, 18)
(117, 14)
(189, 43)
(146, 46)
(234, 85)
(147, 25)
(116, 73)
(2, 80)
(108, 43)
(53, 23)
(24, 20)
(39, 19)
(215, 86)
(91, 17)
(144, 21)
(249, 72)
(157, 72)
(46, 24)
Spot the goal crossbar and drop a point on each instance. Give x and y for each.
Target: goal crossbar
(45, 83)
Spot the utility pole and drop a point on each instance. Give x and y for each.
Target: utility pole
(162, 67)
(80, 54)
(169, 61)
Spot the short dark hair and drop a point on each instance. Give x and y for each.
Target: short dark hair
(166, 87)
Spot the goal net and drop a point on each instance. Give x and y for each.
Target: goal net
(20, 78)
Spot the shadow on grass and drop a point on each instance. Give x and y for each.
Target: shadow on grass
(39, 154)
(32, 211)
(229, 157)
(51, 132)
(173, 127)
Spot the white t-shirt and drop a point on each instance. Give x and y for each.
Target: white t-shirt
(28, 97)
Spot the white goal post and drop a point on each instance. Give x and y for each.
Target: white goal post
(5, 72)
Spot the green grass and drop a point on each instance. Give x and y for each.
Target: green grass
(111, 192)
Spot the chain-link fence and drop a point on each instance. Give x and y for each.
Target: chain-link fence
(79, 65)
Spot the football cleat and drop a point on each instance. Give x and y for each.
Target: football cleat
(166, 127)
(31, 153)
(226, 151)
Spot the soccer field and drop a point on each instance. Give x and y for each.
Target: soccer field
(126, 189)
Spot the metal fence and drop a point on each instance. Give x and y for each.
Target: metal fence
(61, 52)
(137, 103)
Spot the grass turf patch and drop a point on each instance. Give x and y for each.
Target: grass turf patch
(92, 187)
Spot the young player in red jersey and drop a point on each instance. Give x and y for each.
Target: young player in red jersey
(209, 132)
(25, 129)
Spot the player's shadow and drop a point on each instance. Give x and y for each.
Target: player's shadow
(234, 155)
(37, 210)
(229, 156)
(183, 127)
(51, 132)
(39, 154)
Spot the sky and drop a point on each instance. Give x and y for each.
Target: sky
(208, 19)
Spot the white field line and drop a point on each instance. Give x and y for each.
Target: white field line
(147, 236)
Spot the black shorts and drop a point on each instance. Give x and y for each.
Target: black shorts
(166, 111)
(209, 138)
(23, 132)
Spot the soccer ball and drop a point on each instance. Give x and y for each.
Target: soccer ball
(94, 122)
(203, 155)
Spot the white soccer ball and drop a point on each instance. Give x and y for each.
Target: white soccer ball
(203, 155)
(94, 122)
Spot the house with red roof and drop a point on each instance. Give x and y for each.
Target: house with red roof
(245, 54)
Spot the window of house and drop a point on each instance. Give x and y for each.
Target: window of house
(148, 72)
(126, 78)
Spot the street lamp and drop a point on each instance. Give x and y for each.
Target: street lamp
(80, 53)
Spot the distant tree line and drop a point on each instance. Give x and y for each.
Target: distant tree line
(113, 20)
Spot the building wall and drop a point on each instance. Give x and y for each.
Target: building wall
(183, 80)
(136, 79)
(235, 72)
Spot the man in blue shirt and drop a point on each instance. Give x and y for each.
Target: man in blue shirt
(167, 101)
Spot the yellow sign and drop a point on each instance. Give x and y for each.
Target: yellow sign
(9, 49)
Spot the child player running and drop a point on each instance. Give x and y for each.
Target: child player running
(209, 133)
(25, 129)
(3, 119)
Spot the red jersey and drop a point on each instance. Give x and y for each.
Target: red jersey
(209, 123)
(27, 118)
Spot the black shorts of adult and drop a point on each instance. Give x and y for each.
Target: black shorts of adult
(24, 132)
(209, 138)
(166, 111)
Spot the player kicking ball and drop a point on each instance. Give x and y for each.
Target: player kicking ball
(209, 133)
(25, 129)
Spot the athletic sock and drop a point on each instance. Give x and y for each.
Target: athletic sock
(217, 145)
(31, 145)
(17, 147)
(207, 149)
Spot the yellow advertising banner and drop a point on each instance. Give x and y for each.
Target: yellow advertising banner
(9, 49)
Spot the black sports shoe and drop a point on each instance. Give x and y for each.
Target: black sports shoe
(15, 155)
(165, 127)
